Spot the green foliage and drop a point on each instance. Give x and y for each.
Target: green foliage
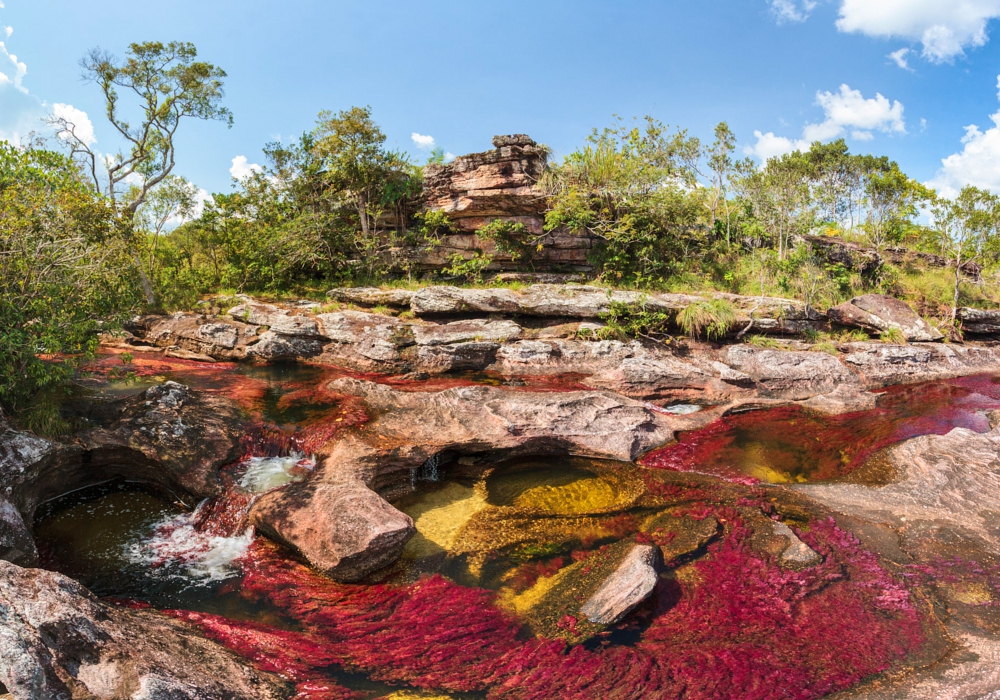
(763, 341)
(714, 318)
(510, 238)
(65, 274)
(471, 268)
(825, 346)
(626, 321)
(893, 335)
(630, 187)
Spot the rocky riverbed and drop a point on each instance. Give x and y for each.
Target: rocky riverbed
(560, 515)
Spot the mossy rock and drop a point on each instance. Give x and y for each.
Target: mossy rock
(678, 536)
(551, 607)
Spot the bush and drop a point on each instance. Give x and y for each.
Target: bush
(714, 318)
(65, 275)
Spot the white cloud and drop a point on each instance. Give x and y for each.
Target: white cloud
(242, 169)
(8, 31)
(847, 112)
(83, 127)
(978, 163)
(424, 142)
(791, 10)
(449, 156)
(900, 58)
(768, 146)
(945, 28)
(20, 69)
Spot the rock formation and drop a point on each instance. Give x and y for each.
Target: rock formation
(880, 313)
(632, 582)
(58, 641)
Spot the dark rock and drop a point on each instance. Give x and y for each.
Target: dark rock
(58, 641)
(203, 336)
(879, 313)
(438, 359)
(276, 347)
(632, 582)
(980, 322)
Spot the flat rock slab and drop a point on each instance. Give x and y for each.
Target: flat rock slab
(880, 313)
(632, 582)
(787, 374)
(844, 399)
(58, 641)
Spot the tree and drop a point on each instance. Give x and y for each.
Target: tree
(63, 272)
(967, 227)
(167, 85)
(632, 187)
(778, 196)
(351, 148)
(720, 165)
(174, 200)
(892, 200)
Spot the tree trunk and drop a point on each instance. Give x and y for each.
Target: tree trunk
(958, 281)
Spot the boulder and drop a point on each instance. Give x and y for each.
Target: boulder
(58, 641)
(980, 322)
(438, 359)
(797, 553)
(789, 374)
(276, 347)
(340, 526)
(202, 336)
(364, 341)
(879, 313)
(632, 582)
(278, 320)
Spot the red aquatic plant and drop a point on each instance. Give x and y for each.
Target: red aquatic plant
(742, 628)
(801, 445)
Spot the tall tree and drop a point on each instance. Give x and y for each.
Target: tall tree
(351, 148)
(967, 228)
(147, 96)
(778, 196)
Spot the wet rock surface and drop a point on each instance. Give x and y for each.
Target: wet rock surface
(58, 641)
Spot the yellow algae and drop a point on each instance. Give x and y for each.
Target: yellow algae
(580, 496)
(757, 464)
(522, 603)
(439, 517)
(971, 594)
(414, 695)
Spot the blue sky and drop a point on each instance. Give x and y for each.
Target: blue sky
(904, 78)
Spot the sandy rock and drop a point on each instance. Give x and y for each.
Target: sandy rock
(58, 641)
(632, 582)
(789, 374)
(341, 526)
(952, 479)
(844, 399)
(879, 312)
(372, 296)
(477, 330)
(182, 354)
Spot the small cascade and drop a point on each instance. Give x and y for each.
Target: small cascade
(430, 470)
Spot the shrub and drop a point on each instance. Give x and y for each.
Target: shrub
(624, 321)
(714, 318)
(893, 335)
